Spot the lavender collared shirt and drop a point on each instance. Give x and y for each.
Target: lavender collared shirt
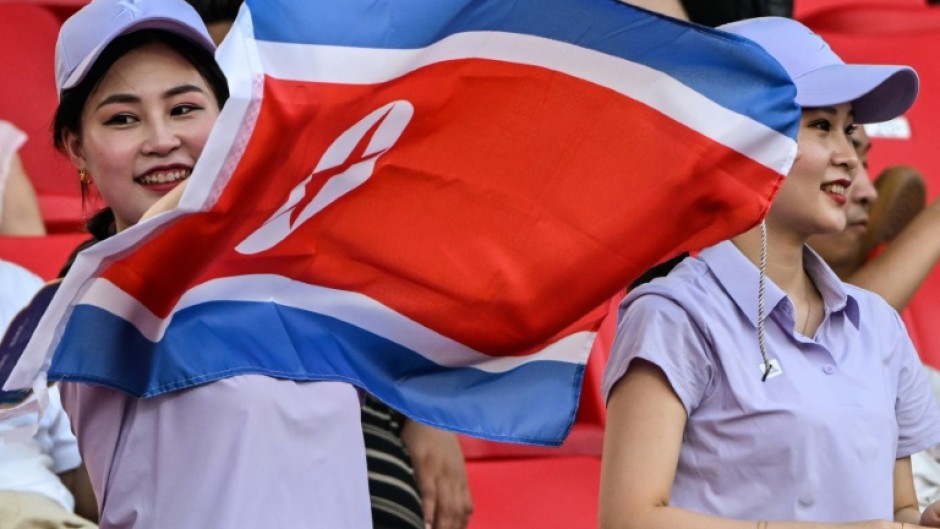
(818, 442)
(245, 452)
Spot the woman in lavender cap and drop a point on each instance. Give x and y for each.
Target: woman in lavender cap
(756, 390)
(139, 93)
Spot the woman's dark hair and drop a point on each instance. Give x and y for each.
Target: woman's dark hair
(213, 11)
(660, 270)
(68, 116)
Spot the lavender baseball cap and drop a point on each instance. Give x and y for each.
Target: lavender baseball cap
(877, 92)
(89, 31)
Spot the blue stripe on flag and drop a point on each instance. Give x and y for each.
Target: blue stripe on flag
(220, 339)
(728, 69)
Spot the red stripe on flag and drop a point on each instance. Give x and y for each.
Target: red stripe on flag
(516, 201)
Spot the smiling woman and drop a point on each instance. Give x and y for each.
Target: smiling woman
(750, 387)
(140, 92)
(826, 162)
(844, 251)
(143, 127)
(138, 129)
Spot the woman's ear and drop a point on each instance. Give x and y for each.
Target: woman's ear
(73, 148)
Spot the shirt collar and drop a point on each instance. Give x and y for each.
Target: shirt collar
(739, 278)
(834, 295)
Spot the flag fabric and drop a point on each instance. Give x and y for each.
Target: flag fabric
(430, 199)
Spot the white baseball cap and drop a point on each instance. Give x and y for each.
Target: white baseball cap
(877, 92)
(89, 31)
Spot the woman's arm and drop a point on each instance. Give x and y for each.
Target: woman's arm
(78, 483)
(645, 423)
(898, 271)
(167, 202)
(906, 508)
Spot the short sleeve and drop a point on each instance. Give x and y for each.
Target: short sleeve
(11, 139)
(658, 330)
(916, 407)
(18, 286)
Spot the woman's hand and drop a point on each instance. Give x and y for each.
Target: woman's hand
(442, 478)
(930, 517)
(167, 202)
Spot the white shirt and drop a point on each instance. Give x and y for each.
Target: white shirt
(17, 287)
(32, 466)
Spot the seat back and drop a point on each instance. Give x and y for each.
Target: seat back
(28, 99)
(45, 255)
(556, 493)
(62, 9)
(804, 9)
(897, 19)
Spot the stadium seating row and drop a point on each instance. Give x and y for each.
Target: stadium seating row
(27, 36)
(513, 486)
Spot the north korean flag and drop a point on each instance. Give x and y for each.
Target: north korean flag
(430, 199)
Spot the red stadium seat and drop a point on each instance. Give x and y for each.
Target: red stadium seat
(28, 99)
(915, 144)
(876, 19)
(526, 487)
(45, 255)
(61, 8)
(539, 493)
(803, 9)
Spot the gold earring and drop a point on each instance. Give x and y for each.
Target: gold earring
(83, 176)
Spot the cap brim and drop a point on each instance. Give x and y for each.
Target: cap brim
(167, 24)
(877, 92)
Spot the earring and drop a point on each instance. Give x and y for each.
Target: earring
(83, 176)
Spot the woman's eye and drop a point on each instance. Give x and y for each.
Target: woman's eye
(180, 110)
(120, 119)
(850, 130)
(821, 124)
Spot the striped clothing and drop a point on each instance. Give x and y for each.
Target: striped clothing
(396, 503)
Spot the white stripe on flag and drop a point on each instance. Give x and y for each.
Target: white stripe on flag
(356, 309)
(335, 64)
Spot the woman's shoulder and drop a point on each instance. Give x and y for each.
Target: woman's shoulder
(689, 286)
(874, 315)
(869, 303)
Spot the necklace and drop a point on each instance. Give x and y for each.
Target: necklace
(809, 308)
(805, 319)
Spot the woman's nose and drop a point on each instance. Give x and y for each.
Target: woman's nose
(161, 139)
(846, 156)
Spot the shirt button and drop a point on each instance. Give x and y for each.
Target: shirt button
(829, 369)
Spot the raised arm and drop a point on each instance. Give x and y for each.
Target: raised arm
(901, 268)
